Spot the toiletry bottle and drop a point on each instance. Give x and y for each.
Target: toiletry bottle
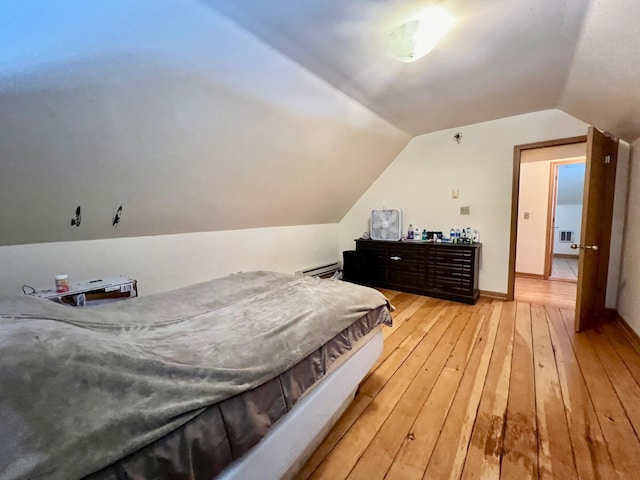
(463, 234)
(416, 234)
(424, 235)
(452, 235)
(457, 235)
(410, 232)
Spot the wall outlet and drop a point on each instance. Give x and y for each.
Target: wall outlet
(526, 215)
(464, 210)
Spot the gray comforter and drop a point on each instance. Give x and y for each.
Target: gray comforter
(81, 388)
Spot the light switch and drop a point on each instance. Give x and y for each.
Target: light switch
(526, 215)
(464, 210)
(455, 193)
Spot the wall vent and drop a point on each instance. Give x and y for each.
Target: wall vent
(567, 236)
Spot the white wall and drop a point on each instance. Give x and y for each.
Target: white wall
(175, 112)
(568, 217)
(165, 262)
(532, 231)
(628, 304)
(618, 224)
(420, 179)
(571, 182)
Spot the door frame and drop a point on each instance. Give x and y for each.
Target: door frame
(515, 195)
(551, 213)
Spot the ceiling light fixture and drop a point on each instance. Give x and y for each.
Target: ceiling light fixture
(414, 39)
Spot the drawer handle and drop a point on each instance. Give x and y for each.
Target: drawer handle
(395, 258)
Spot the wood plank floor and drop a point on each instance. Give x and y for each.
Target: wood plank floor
(545, 292)
(495, 390)
(563, 268)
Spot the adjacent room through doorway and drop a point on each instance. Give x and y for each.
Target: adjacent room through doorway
(551, 183)
(566, 218)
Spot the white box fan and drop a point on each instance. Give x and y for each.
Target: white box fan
(386, 224)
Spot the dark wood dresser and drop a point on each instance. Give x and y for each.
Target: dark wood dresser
(441, 270)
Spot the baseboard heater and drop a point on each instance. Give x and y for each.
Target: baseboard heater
(321, 270)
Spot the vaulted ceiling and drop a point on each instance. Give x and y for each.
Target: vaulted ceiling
(175, 112)
(206, 115)
(502, 58)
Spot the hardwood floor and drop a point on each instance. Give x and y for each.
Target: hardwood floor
(563, 268)
(545, 292)
(496, 390)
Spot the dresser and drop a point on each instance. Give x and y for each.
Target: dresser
(441, 270)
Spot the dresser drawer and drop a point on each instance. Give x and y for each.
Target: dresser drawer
(406, 257)
(444, 271)
(402, 278)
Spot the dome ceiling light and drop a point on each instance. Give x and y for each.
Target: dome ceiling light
(415, 38)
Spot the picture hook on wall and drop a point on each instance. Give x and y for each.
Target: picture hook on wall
(117, 216)
(75, 221)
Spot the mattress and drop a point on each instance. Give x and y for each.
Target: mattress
(226, 431)
(287, 447)
(83, 389)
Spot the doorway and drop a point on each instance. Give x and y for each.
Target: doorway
(532, 218)
(548, 220)
(596, 225)
(565, 198)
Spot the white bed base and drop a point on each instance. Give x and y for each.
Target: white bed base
(287, 447)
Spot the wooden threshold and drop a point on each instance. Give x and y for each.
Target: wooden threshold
(539, 276)
(492, 390)
(564, 280)
(571, 256)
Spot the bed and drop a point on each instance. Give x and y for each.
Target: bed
(239, 377)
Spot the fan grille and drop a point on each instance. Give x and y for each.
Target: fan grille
(386, 224)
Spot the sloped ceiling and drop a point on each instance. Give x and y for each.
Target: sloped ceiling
(174, 112)
(204, 115)
(501, 58)
(603, 87)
